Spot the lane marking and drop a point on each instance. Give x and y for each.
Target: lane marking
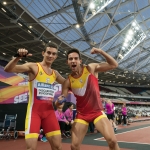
(127, 142)
(123, 132)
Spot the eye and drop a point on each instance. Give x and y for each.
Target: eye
(48, 53)
(54, 54)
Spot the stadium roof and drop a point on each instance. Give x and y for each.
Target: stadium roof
(31, 24)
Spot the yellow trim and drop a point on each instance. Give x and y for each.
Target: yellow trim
(53, 133)
(31, 135)
(100, 117)
(81, 121)
(78, 83)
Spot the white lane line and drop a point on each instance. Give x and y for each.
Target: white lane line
(124, 132)
(127, 142)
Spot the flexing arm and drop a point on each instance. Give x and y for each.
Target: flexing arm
(110, 63)
(13, 67)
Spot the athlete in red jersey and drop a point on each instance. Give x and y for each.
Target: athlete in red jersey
(84, 84)
(40, 110)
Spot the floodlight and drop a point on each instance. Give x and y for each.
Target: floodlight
(95, 6)
(134, 35)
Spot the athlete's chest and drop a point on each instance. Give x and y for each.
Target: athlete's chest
(79, 82)
(45, 78)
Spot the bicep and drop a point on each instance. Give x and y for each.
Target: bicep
(104, 66)
(21, 68)
(99, 67)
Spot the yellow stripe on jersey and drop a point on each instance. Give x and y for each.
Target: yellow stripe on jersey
(81, 121)
(81, 81)
(53, 133)
(79, 85)
(99, 118)
(31, 135)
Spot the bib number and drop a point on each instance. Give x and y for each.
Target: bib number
(45, 91)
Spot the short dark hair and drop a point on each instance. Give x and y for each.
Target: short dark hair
(74, 50)
(69, 104)
(51, 44)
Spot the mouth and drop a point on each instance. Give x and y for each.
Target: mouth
(73, 66)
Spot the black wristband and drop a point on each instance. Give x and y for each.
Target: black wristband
(17, 55)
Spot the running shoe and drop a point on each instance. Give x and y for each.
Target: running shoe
(44, 139)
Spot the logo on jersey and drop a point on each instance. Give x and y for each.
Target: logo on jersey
(81, 80)
(72, 81)
(41, 73)
(47, 80)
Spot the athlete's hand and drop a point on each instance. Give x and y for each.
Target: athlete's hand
(59, 100)
(23, 52)
(95, 50)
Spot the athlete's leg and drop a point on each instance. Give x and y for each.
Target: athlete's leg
(31, 143)
(52, 130)
(55, 142)
(79, 129)
(32, 128)
(103, 125)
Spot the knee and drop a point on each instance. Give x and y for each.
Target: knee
(31, 148)
(112, 142)
(58, 147)
(75, 146)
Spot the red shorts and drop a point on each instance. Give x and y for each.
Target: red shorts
(46, 119)
(92, 117)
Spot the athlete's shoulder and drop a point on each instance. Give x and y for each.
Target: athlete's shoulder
(92, 65)
(55, 71)
(31, 65)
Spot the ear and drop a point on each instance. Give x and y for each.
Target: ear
(80, 61)
(67, 62)
(43, 53)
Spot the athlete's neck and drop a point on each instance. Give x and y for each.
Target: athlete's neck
(47, 65)
(78, 72)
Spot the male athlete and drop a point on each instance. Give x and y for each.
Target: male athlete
(83, 81)
(40, 110)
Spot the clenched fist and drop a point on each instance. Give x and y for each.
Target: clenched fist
(22, 52)
(95, 50)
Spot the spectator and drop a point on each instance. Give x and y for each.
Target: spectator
(69, 116)
(62, 121)
(124, 114)
(110, 113)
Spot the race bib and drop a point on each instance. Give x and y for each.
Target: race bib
(45, 91)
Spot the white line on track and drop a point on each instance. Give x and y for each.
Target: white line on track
(122, 133)
(126, 142)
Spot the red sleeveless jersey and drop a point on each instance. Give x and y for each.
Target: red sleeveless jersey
(86, 91)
